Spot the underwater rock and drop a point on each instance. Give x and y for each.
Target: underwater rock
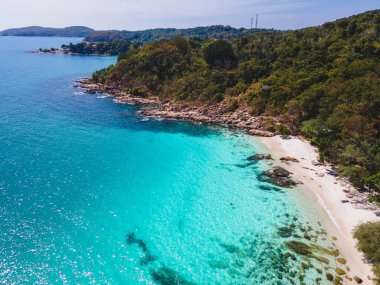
(230, 248)
(340, 271)
(338, 280)
(270, 188)
(341, 260)
(148, 258)
(289, 255)
(142, 245)
(285, 232)
(131, 238)
(167, 276)
(330, 277)
(329, 251)
(298, 247)
(321, 259)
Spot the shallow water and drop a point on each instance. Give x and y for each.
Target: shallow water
(92, 194)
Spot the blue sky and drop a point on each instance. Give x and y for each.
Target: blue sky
(142, 14)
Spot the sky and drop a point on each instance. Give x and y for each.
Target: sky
(144, 14)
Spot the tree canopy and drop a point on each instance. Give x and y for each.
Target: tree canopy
(145, 36)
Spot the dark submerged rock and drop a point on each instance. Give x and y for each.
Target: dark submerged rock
(230, 248)
(285, 232)
(330, 277)
(167, 276)
(299, 247)
(131, 238)
(148, 258)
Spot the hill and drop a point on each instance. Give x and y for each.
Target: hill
(36, 31)
(217, 32)
(322, 82)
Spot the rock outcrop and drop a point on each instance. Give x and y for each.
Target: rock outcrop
(280, 177)
(206, 114)
(259, 156)
(289, 158)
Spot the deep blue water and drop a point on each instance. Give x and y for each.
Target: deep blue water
(92, 194)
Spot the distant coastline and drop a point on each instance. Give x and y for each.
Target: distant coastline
(61, 51)
(37, 31)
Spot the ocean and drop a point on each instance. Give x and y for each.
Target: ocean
(92, 193)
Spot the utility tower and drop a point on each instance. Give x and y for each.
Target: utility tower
(257, 21)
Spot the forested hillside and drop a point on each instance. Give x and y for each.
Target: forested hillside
(100, 48)
(117, 42)
(217, 32)
(323, 82)
(36, 31)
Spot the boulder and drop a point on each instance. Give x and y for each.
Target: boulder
(298, 247)
(90, 91)
(289, 158)
(340, 271)
(277, 171)
(330, 277)
(259, 157)
(260, 133)
(283, 181)
(316, 163)
(280, 176)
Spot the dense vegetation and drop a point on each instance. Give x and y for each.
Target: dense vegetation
(36, 31)
(369, 242)
(217, 32)
(323, 82)
(101, 48)
(118, 42)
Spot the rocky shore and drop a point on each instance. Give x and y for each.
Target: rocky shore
(61, 51)
(210, 114)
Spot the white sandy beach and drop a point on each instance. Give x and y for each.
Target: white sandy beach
(329, 191)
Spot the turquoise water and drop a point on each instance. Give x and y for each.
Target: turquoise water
(92, 194)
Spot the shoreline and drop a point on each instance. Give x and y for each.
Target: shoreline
(215, 114)
(341, 206)
(60, 51)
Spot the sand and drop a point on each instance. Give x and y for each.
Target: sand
(328, 191)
